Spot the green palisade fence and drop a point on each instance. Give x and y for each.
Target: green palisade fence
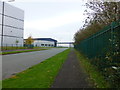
(103, 51)
(101, 42)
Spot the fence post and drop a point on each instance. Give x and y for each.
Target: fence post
(6, 46)
(12, 46)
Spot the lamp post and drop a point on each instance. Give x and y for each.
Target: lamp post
(2, 25)
(3, 9)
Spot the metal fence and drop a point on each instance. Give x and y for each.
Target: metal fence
(103, 51)
(12, 46)
(101, 42)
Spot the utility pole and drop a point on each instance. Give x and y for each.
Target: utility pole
(3, 4)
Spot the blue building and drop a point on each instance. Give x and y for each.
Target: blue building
(44, 42)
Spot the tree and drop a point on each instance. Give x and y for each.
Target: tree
(29, 40)
(106, 12)
(16, 42)
(99, 14)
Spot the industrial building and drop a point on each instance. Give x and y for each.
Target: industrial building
(44, 42)
(11, 25)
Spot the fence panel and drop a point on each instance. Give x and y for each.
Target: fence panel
(12, 47)
(101, 42)
(103, 50)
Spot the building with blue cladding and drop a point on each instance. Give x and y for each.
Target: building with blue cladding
(44, 42)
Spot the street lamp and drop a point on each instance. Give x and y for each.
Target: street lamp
(3, 9)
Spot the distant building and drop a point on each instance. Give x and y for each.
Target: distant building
(44, 42)
(11, 25)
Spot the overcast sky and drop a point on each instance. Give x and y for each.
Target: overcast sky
(55, 19)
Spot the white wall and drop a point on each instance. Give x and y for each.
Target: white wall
(39, 42)
(14, 11)
(0, 40)
(0, 30)
(13, 22)
(0, 19)
(11, 41)
(13, 32)
(0, 7)
(13, 28)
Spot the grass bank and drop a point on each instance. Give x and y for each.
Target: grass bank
(14, 52)
(41, 75)
(16, 48)
(0, 84)
(95, 77)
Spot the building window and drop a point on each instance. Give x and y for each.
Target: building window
(45, 44)
(42, 44)
(52, 45)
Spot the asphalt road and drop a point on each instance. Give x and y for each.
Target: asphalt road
(14, 63)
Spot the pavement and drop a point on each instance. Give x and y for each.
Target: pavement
(15, 63)
(71, 74)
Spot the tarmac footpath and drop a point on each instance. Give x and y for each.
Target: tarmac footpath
(71, 74)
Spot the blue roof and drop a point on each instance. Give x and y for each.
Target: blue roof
(45, 39)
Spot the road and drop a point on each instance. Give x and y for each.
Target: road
(14, 63)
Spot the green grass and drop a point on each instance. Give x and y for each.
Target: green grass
(12, 48)
(95, 77)
(41, 75)
(13, 52)
(17, 48)
(0, 84)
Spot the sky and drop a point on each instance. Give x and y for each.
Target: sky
(57, 19)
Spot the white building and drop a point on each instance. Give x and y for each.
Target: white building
(11, 25)
(44, 42)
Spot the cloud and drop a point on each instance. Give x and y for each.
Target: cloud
(53, 22)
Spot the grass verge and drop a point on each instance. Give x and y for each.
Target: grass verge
(41, 75)
(95, 77)
(14, 52)
(0, 84)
